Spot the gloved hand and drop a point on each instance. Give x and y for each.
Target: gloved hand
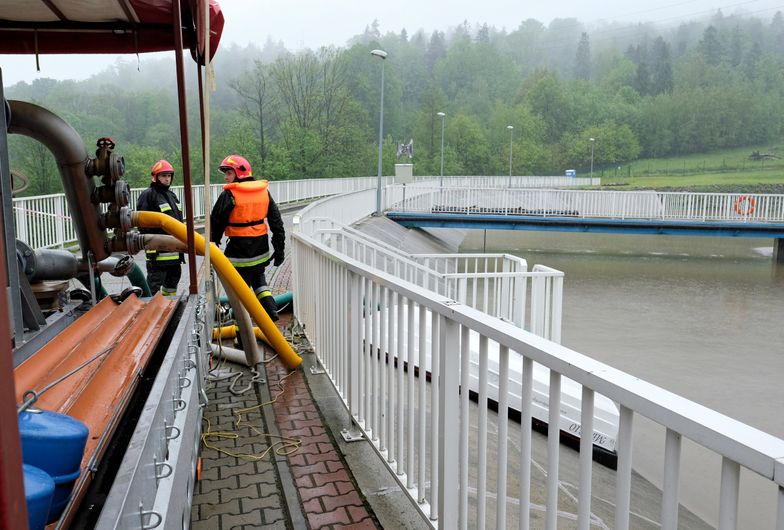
(277, 258)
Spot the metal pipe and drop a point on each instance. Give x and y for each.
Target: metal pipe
(184, 143)
(69, 152)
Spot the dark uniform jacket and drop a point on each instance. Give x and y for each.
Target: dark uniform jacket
(158, 198)
(246, 247)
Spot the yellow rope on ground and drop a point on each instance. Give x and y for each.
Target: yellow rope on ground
(285, 446)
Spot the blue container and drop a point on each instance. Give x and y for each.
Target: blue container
(55, 443)
(39, 488)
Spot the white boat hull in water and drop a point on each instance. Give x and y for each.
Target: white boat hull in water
(605, 429)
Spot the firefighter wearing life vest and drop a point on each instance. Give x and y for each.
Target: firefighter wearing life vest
(240, 212)
(163, 268)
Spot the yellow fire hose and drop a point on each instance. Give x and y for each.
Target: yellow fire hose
(229, 332)
(227, 273)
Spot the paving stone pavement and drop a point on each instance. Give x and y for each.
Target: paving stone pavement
(311, 488)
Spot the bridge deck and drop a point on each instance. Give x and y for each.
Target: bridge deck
(578, 224)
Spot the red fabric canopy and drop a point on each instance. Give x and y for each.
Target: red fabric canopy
(103, 26)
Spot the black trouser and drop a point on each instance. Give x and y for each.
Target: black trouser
(163, 277)
(254, 277)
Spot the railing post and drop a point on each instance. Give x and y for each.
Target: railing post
(448, 425)
(59, 221)
(21, 220)
(354, 323)
(623, 483)
(672, 463)
(728, 500)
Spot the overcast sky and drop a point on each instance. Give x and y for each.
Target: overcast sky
(313, 23)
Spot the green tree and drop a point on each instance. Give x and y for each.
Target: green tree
(582, 60)
(711, 47)
(661, 76)
(259, 98)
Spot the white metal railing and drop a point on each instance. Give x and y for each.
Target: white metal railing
(722, 207)
(505, 181)
(360, 318)
(496, 284)
(45, 221)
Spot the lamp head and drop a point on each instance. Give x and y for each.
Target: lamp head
(509, 127)
(592, 139)
(379, 53)
(440, 114)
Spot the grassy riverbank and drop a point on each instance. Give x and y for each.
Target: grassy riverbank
(725, 171)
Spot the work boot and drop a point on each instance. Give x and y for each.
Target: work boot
(269, 305)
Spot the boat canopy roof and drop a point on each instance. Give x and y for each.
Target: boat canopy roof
(104, 26)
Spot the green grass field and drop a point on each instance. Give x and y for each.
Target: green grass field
(730, 167)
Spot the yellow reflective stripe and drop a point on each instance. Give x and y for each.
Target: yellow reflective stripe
(169, 258)
(164, 207)
(257, 261)
(166, 292)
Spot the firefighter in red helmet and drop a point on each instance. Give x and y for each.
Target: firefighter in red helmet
(163, 268)
(240, 213)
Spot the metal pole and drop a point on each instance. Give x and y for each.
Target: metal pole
(13, 510)
(186, 164)
(511, 133)
(592, 143)
(380, 143)
(443, 116)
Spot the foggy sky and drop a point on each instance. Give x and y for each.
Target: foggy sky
(314, 23)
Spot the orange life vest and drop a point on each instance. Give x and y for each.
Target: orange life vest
(251, 201)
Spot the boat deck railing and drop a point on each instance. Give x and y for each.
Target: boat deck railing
(361, 318)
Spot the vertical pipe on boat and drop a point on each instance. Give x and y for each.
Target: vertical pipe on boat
(623, 483)
(672, 464)
(13, 511)
(728, 500)
(586, 460)
(184, 143)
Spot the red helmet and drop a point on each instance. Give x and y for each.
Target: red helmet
(161, 166)
(239, 164)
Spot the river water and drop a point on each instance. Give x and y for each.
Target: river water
(700, 316)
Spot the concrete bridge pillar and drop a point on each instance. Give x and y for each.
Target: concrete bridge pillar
(778, 250)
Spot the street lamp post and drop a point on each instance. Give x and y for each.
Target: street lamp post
(592, 144)
(442, 116)
(381, 54)
(511, 132)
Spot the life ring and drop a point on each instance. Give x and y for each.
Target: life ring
(745, 205)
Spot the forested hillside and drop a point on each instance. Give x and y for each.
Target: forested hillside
(641, 90)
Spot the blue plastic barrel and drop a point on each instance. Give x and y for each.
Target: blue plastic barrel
(39, 488)
(55, 443)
